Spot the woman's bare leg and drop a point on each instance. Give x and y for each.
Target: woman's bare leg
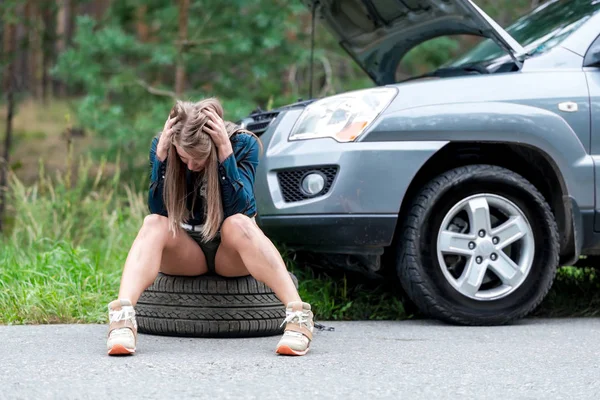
(155, 249)
(246, 250)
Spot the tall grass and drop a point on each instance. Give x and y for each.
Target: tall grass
(340, 295)
(67, 243)
(68, 238)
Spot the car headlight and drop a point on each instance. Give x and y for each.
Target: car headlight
(343, 117)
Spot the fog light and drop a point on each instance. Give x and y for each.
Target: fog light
(313, 183)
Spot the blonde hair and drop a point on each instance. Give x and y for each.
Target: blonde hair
(189, 134)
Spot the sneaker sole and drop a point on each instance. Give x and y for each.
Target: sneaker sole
(119, 350)
(288, 351)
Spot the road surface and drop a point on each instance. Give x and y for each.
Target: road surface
(533, 359)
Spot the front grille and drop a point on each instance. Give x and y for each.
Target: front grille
(290, 181)
(261, 121)
(258, 126)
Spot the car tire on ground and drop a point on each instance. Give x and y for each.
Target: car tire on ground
(449, 214)
(210, 306)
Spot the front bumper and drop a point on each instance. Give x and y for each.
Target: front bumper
(348, 234)
(359, 210)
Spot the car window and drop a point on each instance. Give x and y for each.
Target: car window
(538, 31)
(592, 56)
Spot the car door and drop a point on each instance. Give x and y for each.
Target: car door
(592, 70)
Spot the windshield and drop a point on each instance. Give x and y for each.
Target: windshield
(538, 31)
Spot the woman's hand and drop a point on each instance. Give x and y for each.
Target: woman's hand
(165, 139)
(215, 127)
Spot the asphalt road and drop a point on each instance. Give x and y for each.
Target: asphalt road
(533, 359)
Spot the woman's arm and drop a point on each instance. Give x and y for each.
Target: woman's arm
(236, 175)
(158, 166)
(156, 203)
(238, 159)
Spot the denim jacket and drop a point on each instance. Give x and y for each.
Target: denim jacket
(236, 178)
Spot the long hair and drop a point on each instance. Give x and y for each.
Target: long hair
(189, 134)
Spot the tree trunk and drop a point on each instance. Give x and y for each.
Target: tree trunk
(48, 40)
(53, 46)
(34, 33)
(64, 33)
(183, 25)
(24, 33)
(25, 58)
(9, 50)
(141, 26)
(71, 7)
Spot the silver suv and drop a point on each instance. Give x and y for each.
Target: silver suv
(470, 184)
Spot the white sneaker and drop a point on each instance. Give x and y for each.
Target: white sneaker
(122, 331)
(298, 330)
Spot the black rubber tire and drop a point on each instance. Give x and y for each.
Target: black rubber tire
(210, 306)
(419, 270)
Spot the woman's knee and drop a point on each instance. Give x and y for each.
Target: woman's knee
(155, 226)
(238, 228)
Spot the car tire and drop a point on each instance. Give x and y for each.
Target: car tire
(433, 280)
(210, 306)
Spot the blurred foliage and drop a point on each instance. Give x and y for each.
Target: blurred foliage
(249, 54)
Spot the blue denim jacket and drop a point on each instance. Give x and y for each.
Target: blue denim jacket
(236, 176)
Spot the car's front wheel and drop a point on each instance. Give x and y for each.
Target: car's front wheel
(479, 247)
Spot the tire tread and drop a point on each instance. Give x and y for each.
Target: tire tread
(210, 306)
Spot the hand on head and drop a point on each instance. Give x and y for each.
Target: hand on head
(215, 127)
(189, 122)
(168, 128)
(166, 136)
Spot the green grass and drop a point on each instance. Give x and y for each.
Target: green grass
(343, 296)
(68, 238)
(575, 293)
(58, 283)
(66, 245)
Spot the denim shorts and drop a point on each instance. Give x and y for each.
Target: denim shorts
(208, 248)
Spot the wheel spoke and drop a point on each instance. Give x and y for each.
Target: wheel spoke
(455, 243)
(506, 269)
(510, 231)
(471, 278)
(478, 240)
(479, 215)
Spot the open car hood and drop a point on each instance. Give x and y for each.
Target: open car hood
(378, 33)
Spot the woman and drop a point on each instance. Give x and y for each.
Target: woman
(202, 208)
